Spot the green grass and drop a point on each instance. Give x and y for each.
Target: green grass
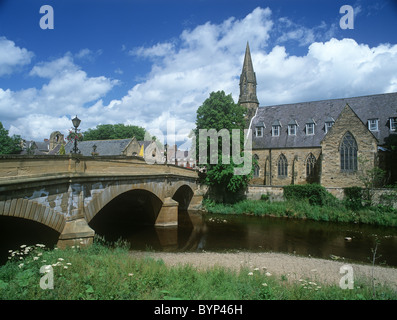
(106, 273)
(335, 212)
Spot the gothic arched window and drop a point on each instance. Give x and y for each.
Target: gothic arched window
(256, 166)
(310, 164)
(282, 166)
(348, 153)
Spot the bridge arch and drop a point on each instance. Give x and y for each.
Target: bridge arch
(126, 212)
(31, 210)
(100, 199)
(183, 194)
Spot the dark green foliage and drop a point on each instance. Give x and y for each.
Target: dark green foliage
(265, 197)
(314, 193)
(220, 112)
(9, 145)
(114, 131)
(353, 197)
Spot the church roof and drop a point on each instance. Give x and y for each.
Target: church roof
(380, 106)
(103, 147)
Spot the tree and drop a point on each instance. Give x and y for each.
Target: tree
(9, 145)
(219, 112)
(114, 131)
(371, 177)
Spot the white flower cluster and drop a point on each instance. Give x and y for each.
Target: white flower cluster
(24, 251)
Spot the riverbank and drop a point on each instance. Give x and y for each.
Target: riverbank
(102, 272)
(290, 267)
(302, 209)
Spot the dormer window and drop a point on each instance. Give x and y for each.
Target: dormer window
(310, 127)
(292, 128)
(259, 131)
(373, 124)
(329, 122)
(276, 126)
(393, 124)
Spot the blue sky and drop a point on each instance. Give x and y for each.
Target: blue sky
(153, 62)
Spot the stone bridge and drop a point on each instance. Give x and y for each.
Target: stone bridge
(66, 192)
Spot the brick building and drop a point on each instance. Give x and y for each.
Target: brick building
(329, 142)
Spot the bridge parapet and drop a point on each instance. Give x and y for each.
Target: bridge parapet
(66, 192)
(14, 167)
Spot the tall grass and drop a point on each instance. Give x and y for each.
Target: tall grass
(106, 273)
(335, 212)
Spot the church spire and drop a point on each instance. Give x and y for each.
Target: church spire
(247, 96)
(248, 69)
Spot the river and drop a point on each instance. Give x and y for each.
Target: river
(223, 233)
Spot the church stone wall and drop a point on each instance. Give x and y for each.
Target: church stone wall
(296, 170)
(332, 176)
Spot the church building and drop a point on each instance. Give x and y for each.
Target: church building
(331, 142)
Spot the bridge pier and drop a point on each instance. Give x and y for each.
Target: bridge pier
(168, 215)
(76, 233)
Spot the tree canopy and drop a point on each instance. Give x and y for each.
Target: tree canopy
(9, 145)
(114, 131)
(219, 112)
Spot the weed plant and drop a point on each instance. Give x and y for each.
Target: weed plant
(337, 212)
(104, 272)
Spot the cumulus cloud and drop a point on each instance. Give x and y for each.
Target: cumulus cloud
(12, 56)
(203, 59)
(66, 93)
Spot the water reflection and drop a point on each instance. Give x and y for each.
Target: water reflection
(198, 232)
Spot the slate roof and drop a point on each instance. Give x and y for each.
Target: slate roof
(380, 106)
(104, 147)
(37, 147)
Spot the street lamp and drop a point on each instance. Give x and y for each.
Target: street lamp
(76, 122)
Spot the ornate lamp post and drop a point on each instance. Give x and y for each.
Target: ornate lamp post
(76, 122)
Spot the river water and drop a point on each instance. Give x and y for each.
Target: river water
(228, 233)
(223, 233)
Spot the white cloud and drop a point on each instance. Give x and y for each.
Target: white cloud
(67, 92)
(332, 69)
(12, 56)
(206, 58)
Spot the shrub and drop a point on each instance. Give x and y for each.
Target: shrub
(353, 197)
(265, 197)
(314, 193)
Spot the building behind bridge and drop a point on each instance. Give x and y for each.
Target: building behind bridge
(331, 142)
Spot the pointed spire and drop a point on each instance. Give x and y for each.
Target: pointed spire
(248, 69)
(248, 80)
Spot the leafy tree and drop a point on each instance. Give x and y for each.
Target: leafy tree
(371, 177)
(114, 131)
(9, 145)
(220, 112)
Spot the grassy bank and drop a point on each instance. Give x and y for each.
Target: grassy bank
(101, 272)
(335, 212)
